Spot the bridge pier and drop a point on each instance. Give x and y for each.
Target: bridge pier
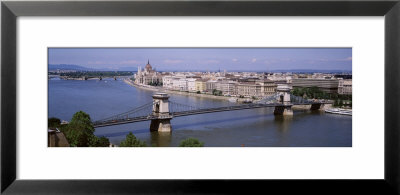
(162, 123)
(315, 106)
(285, 110)
(284, 98)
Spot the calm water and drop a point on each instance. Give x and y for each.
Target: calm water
(256, 127)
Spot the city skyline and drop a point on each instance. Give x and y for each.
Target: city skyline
(184, 59)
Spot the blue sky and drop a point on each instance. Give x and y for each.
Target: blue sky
(230, 59)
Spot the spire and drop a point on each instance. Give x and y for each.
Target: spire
(148, 61)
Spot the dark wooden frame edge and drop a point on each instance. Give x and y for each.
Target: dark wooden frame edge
(10, 10)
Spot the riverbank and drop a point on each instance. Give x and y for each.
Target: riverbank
(239, 100)
(163, 90)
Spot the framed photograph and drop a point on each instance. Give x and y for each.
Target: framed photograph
(199, 97)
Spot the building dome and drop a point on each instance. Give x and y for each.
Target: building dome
(148, 66)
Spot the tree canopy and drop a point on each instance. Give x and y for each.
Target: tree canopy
(131, 141)
(103, 142)
(80, 132)
(315, 92)
(191, 142)
(54, 122)
(80, 74)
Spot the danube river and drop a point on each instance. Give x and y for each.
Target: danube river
(255, 127)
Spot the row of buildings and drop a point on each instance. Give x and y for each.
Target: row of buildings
(239, 84)
(245, 87)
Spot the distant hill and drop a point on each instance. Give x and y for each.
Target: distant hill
(134, 69)
(128, 68)
(69, 67)
(307, 71)
(82, 68)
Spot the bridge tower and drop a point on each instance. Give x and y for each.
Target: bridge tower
(162, 121)
(284, 99)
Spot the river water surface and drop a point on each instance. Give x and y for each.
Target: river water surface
(254, 127)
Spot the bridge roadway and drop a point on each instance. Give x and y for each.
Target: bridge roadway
(189, 112)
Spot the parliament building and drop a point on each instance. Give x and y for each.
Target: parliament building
(147, 76)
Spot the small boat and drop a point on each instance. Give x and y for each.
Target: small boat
(339, 111)
(232, 99)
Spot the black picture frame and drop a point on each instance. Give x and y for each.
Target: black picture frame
(11, 10)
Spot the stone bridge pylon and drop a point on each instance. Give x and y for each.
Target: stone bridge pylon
(162, 123)
(283, 92)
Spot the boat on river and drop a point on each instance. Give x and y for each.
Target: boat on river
(232, 99)
(339, 111)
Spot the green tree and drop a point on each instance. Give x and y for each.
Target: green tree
(132, 141)
(54, 122)
(296, 92)
(191, 142)
(340, 103)
(80, 131)
(103, 142)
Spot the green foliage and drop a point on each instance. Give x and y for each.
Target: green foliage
(132, 141)
(103, 142)
(311, 92)
(315, 92)
(216, 92)
(198, 92)
(191, 142)
(79, 131)
(340, 103)
(54, 123)
(81, 74)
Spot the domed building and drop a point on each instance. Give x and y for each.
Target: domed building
(148, 67)
(147, 76)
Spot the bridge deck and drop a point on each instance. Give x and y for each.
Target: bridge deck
(190, 112)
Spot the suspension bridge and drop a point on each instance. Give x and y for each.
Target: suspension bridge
(160, 111)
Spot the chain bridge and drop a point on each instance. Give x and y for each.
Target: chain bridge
(160, 111)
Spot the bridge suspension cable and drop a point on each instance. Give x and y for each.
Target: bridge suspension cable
(301, 100)
(269, 100)
(143, 110)
(178, 107)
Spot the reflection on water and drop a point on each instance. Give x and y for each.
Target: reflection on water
(283, 122)
(253, 127)
(162, 139)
